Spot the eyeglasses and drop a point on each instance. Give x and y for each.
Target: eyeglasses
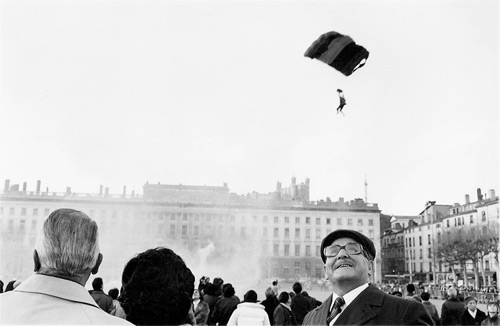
(350, 248)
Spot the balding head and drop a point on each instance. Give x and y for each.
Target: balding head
(68, 244)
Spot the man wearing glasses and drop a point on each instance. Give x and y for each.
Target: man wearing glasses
(348, 257)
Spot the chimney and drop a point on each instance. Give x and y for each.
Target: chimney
(124, 191)
(6, 186)
(467, 199)
(100, 191)
(25, 186)
(38, 185)
(479, 196)
(492, 194)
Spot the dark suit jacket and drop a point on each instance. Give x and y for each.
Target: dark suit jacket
(467, 319)
(374, 307)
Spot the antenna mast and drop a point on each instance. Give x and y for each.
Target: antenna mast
(366, 190)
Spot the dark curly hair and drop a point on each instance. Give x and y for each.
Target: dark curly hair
(157, 288)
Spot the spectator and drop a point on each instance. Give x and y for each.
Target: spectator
(492, 318)
(157, 288)
(301, 304)
(249, 312)
(10, 286)
(1, 287)
(270, 303)
(275, 287)
(117, 308)
(283, 315)
(452, 309)
(431, 308)
(66, 254)
(200, 308)
(104, 301)
(211, 298)
(225, 305)
(472, 315)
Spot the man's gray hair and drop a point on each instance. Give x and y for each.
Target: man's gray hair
(452, 292)
(68, 243)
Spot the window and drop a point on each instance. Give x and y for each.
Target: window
(471, 221)
(276, 249)
(429, 253)
(276, 232)
(448, 223)
(339, 221)
(33, 225)
(297, 233)
(360, 222)
(318, 221)
(172, 229)
(287, 250)
(265, 219)
(371, 234)
(23, 211)
(318, 249)
(276, 219)
(46, 212)
(297, 220)
(297, 250)
(308, 233)
(308, 220)
(318, 233)
(428, 239)
(35, 211)
(286, 270)
(308, 250)
(287, 219)
(349, 221)
(184, 230)
(328, 221)
(22, 225)
(420, 240)
(196, 230)
(12, 211)
(370, 222)
(287, 233)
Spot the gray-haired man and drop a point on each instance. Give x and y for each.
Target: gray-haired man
(66, 254)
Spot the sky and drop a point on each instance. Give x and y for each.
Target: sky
(118, 93)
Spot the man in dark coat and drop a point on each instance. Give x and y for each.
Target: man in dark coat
(301, 304)
(270, 304)
(348, 256)
(472, 315)
(104, 301)
(452, 309)
(225, 305)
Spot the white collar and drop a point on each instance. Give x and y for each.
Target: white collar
(349, 296)
(472, 313)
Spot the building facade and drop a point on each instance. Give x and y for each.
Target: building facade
(275, 235)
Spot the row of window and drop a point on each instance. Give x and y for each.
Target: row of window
(174, 216)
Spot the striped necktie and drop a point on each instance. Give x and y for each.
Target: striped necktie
(339, 302)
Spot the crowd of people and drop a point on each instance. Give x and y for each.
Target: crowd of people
(157, 288)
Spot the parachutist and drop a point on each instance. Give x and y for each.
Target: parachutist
(342, 101)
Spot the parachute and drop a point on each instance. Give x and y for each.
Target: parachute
(338, 51)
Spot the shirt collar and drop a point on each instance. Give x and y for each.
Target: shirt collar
(349, 296)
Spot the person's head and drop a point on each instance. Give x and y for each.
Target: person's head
(348, 256)
(196, 295)
(291, 294)
(275, 283)
(269, 293)
(397, 294)
(492, 309)
(68, 246)
(211, 289)
(410, 288)
(470, 303)
(157, 288)
(250, 296)
(452, 292)
(284, 297)
(113, 293)
(97, 284)
(425, 296)
(297, 287)
(228, 290)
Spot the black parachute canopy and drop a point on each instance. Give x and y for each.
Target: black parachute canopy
(338, 51)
